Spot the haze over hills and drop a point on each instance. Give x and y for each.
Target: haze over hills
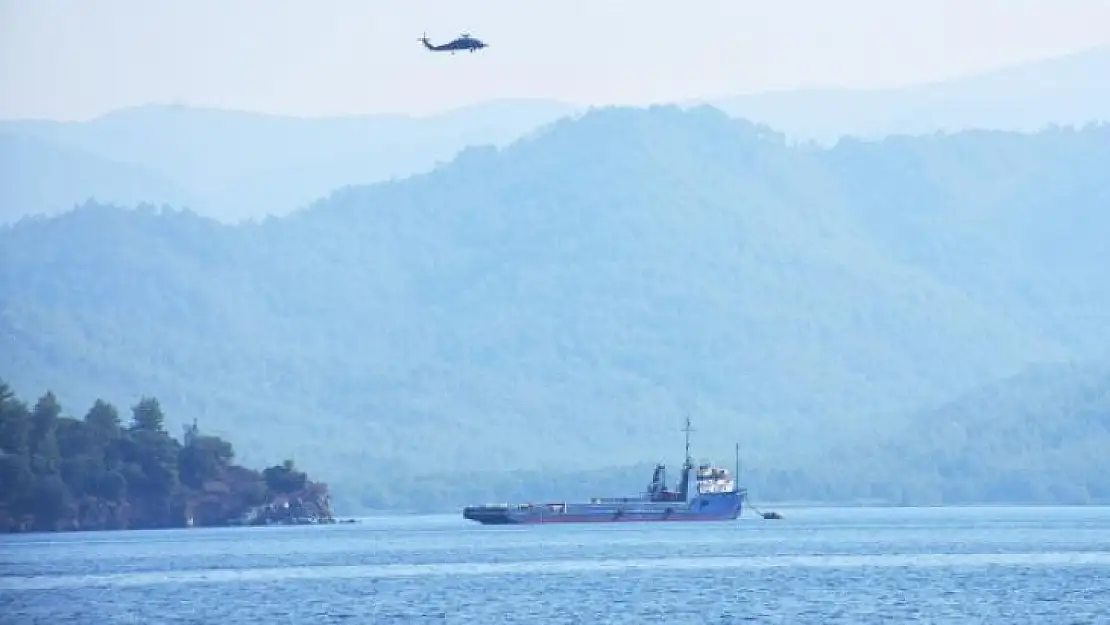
(561, 303)
(238, 165)
(39, 177)
(234, 165)
(1063, 408)
(1038, 436)
(1068, 90)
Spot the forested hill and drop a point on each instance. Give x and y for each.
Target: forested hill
(564, 301)
(1039, 436)
(95, 473)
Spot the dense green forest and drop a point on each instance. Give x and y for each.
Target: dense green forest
(522, 315)
(1039, 436)
(63, 473)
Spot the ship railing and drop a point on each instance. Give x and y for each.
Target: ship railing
(558, 506)
(618, 500)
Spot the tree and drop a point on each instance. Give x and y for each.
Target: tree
(92, 473)
(15, 479)
(50, 501)
(284, 478)
(82, 474)
(74, 438)
(204, 458)
(15, 423)
(147, 415)
(43, 441)
(103, 420)
(113, 486)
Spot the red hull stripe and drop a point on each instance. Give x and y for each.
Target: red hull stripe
(557, 518)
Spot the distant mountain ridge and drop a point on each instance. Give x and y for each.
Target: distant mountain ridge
(40, 174)
(1073, 89)
(560, 303)
(235, 165)
(238, 165)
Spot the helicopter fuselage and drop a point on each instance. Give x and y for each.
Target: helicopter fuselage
(466, 42)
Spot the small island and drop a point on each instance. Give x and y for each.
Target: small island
(59, 473)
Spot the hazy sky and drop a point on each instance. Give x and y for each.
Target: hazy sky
(73, 59)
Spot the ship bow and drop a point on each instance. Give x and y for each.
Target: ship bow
(488, 515)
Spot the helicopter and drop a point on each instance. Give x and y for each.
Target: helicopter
(463, 42)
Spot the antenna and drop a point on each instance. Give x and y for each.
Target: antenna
(736, 478)
(688, 429)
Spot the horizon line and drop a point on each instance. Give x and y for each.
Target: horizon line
(182, 103)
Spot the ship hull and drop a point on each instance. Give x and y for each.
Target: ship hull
(716, 507)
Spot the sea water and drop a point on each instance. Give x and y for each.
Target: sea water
(818, 565)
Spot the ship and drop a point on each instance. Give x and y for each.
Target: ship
(715, 496)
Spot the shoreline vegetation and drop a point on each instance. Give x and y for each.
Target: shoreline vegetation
(59, 473)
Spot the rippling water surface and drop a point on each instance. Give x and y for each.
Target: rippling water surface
(984, 565)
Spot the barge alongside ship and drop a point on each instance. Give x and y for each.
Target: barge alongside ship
(716, 496)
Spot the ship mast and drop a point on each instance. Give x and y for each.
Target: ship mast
(736, 477)
(687, 429)
(684, 486)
